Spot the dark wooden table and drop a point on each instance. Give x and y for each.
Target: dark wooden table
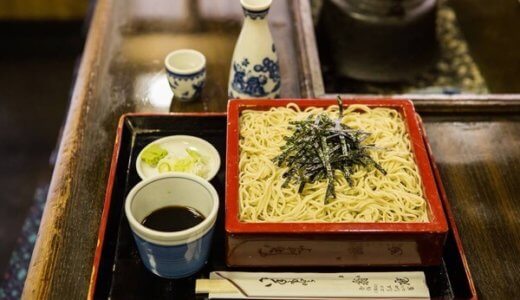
(476, 145)
(122, 71)
(478, 157)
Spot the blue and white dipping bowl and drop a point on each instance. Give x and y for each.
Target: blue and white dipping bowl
(175, 254)
(186, 72)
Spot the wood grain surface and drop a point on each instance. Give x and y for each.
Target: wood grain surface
(479, 160)
(122, 71)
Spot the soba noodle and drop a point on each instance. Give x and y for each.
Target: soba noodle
(373, 197)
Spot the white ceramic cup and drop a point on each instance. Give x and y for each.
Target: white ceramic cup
(186, 71)
(174, 254)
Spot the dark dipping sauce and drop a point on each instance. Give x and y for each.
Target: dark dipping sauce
(173, 218)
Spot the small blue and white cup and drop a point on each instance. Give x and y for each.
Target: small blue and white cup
(186, 71)
(174, 254)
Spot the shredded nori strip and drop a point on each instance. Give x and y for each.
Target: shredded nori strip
(318, 147)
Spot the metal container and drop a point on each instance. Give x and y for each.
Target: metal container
(380, 40)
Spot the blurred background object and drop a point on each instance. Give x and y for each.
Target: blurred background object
(49, 10)
(381, 40)
(41, 43)
(477, 48)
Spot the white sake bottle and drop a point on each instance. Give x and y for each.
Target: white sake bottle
(255, 72)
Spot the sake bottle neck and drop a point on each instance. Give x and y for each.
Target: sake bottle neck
(255, 16)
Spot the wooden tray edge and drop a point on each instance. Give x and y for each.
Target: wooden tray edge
(448, 211)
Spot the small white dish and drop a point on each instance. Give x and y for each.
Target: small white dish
(176, 146)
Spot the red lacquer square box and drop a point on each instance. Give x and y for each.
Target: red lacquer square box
(332, 244)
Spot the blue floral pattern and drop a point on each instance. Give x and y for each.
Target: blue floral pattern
(198, 88)
(256, 14)
(253, 82)
(187, 77)
(192, 86)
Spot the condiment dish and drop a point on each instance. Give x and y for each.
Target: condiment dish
(174, 254)
(176, 146)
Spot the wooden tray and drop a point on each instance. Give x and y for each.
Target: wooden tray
(117, 270)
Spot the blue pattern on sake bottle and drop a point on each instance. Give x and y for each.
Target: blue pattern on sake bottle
(255, 14)
(252, 81)
(255, 71)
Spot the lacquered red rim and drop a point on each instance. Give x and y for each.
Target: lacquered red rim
(437, 223)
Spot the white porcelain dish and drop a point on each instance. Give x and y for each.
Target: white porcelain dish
(176, 146)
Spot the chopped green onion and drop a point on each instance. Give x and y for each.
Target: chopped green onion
(153, 154)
